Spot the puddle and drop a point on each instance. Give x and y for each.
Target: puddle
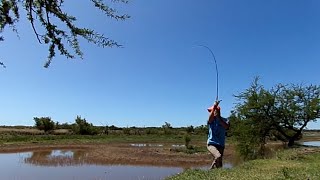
(177, 145)
(311, 143)
(73, 164)
(138, 145)
(156, 145)
(146, 145)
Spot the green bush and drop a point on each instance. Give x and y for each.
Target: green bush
(44, 123)
(126, 131)
(190, 129)
(167, 128)
(82, 127)
(203, 129)
(187, 140)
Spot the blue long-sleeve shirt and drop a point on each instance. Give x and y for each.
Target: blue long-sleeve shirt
(217, 133)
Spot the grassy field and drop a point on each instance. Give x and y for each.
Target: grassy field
(300, 163)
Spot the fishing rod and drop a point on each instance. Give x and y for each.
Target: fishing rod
(217, 73)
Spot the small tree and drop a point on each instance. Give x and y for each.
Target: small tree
(190, 129)
(44, 123)
(166, 125)
(167, 128)
(187, 140)
(83, 127)
(252, 122)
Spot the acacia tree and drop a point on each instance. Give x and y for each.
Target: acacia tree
(296, 106)
(283, 111)
(46, 15)
(251, 122)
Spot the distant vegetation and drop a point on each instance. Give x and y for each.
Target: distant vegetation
(46, 128)
(83, 127)
(44, 123)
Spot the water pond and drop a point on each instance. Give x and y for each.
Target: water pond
(71, 164)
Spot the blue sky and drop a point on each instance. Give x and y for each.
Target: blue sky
(160, 75)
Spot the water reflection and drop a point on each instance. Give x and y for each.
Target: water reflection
(146, 145)
(178, 145)
(155, 145)
(62, 158)
(57, 158)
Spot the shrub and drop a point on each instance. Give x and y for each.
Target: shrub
(190, 129)
(44, 123)
(203, 129)
(167, 128)
(187, 140)
(126, 131)
(83, 127)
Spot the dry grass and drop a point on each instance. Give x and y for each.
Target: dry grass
(21, 131)
(30, 131)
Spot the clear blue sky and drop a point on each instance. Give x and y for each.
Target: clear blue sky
(160, 75)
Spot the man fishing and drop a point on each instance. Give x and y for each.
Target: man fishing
(217, 125)
(216, 138)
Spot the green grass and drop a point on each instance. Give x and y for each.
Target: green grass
(289, 164)
(61, 139)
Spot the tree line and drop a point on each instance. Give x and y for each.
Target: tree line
(84, 127)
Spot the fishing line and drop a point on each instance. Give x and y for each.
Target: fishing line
(217, 73)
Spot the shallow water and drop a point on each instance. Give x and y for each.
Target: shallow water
(71, 164)
(146, 145)
(311, 143)
(155, 145)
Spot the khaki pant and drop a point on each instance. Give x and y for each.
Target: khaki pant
(217, 153)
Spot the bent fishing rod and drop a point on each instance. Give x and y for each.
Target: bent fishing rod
(217, 73)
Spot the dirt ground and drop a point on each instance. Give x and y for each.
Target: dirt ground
(115, 153)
